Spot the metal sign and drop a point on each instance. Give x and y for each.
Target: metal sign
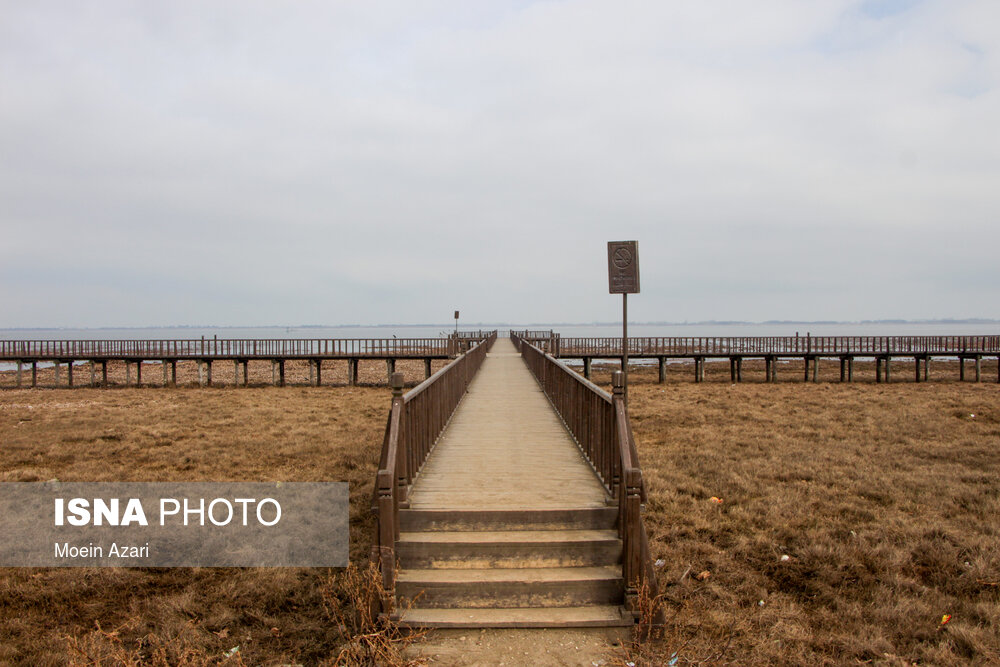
(623, 267)
(456, 314)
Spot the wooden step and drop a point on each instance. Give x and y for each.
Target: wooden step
(602, 518)
(506, 549)
(511, 587)
(544, 617)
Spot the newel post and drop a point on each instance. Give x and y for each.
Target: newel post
(617, 397)
(396, 381)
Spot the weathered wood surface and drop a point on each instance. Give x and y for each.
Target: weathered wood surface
(506, 448)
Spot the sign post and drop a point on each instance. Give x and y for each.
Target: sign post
(456, 325)
(623, 278)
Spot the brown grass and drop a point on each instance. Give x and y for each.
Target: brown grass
(885, 499)
(191, 616)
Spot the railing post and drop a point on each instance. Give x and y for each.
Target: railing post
(397, 381)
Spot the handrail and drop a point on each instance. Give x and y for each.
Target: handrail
(415, 422)
(778, 345)
(226, 347)
(600, 425)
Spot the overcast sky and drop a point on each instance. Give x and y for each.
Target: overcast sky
(251, 163)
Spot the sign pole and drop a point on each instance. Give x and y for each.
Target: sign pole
(623, 278)
(625, 345)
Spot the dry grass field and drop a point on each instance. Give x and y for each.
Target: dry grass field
(884, 498)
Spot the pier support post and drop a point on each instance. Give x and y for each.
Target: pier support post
(208, 371)
(663, 369)
(312, 372)
(739, 369)
(815, 369)
(19, 365)
(34, 374)
(352, 372)
(319, 372)
(732, 369)
(236, 372)
(888, 369)
(281, 372)
(246, 372)
(586, 367)
(138, 373)
(850, 369)
(166, 375)
(979, 368)
(927, 367)
(57, 372)
(767, 369)
(390, 368)
(201, 372)
(843, 368)
(806, 377)
(427, 368)
(93, 373)
(878, 369)
(104, 373)
(961, 369)
(128, 373)
(916, 361)
(699, 369)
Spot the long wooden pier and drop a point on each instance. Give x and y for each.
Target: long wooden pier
(27, 354)
(512, 498)
(772, 349)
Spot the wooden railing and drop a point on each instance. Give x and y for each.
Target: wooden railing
(416, 420)
(778, 345)
(226, 347)
(600, 425)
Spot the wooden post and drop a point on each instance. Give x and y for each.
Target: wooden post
(201, 373)
(961, 369)
(312, 373)
(697, 369)
(732, 369)
(104, 373)
(586, 367)
(843, 368)
(663, 369)
(128, 373)
(927, 367)
(427, 368)
(739, 369)
(166, 373)
(815, 369)
(246, 372)
(767, 369)
(878, 369)
(390, 368)
(319, 372)
(19, 365)
(69, 372)
(208, 371)
(274, 372)
(850, 369)
(281, 372)
(34, 374)
(916, 361)
(888, 369)
(979, 367)
(57, 372)
(236, 372)
(806, 378)
(173, 372)
(352, 370)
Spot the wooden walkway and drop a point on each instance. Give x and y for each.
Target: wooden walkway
(506, 449)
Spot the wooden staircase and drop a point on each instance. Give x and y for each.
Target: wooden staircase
(475, 568)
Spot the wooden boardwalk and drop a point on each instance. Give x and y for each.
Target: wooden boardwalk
(506, 449)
